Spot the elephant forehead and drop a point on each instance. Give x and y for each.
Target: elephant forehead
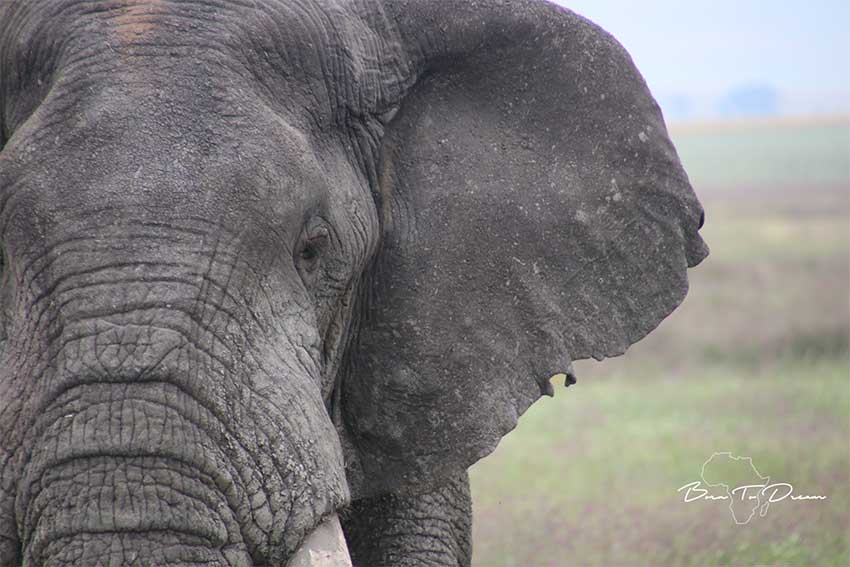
(152, 16)
(309, 41)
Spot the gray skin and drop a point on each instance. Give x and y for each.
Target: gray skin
(268, 261)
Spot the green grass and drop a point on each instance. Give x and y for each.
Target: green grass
(756, 362)
(591, 476)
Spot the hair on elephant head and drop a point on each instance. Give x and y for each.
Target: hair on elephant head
(269, 261)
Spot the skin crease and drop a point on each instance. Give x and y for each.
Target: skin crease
(258, 258)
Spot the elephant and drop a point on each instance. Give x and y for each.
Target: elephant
(280, 268)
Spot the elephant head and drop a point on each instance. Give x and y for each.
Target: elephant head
(263, 260)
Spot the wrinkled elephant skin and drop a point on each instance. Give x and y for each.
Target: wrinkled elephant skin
(268, 264)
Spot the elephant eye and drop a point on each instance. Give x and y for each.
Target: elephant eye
(310, 250)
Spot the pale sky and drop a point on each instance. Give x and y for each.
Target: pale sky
(700, 48)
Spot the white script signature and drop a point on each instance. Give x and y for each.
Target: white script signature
(775, 492)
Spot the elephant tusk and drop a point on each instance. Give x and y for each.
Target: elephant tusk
(324, 547)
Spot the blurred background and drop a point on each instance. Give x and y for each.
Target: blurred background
(756, 95)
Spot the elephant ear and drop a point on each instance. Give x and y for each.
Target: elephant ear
(534, 212)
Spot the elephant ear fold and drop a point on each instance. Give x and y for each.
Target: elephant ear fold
(534, 212)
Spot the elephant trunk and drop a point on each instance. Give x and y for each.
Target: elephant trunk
(162, 421)
(129, 453)
(127, 473)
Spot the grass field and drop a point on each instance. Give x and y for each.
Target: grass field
(755, 362)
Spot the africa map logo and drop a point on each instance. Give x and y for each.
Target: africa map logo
(736, 479)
